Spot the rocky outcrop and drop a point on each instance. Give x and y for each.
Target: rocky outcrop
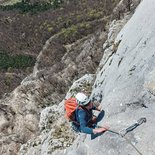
(47, 86)
(67, 63)
(56, 133)
(125, 82)
(19, 119)
(124, 7)
(51, 117)
(125, 87)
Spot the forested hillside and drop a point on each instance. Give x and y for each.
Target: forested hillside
(25, 27)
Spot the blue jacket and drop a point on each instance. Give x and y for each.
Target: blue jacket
(84, 117)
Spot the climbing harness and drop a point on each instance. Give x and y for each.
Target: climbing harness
(123, 132)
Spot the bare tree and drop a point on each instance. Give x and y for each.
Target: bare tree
(129, 2)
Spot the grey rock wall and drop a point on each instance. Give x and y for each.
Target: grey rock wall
(126, 83)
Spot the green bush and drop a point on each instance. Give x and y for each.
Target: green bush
(71, 31)
(56, 3)
(15, 61)
(8, 79)
(94, 14)
(25, 6)
(50, 29)
(85, 25)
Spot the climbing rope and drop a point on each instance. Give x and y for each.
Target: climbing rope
(132, 145)
(123, 132)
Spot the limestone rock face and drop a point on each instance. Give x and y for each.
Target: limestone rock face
(32, 116)
(125, 87)
(52, 118)
(19, 119)
(56, 134)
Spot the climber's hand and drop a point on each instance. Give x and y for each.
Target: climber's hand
(100, 130)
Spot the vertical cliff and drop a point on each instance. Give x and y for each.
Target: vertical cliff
(32, 116)
(125, 87)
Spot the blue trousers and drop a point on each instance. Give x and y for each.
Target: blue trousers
(98, 119)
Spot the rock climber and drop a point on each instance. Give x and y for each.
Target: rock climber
(87, 122)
